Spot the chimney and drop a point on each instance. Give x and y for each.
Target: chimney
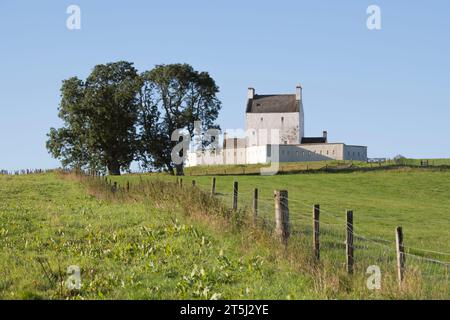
(298, 92)
(250, 93)
(325, 136)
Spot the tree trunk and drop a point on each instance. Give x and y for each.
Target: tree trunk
(180, 169)
(114, 168)
(170, 169)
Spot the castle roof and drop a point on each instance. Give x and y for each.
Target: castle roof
(275, 103)
(313, 140)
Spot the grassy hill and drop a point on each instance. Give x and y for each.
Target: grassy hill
(417, 199)
(317, 166)
(129, 249)
(159, 241)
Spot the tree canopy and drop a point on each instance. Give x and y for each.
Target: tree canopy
(116, 116)
(180, 96)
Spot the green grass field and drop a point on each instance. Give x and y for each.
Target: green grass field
(141, 248)
(126, 250)
(414, 198)
(418, 200)
(331, 165)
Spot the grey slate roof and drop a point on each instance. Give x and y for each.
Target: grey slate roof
(307, 140)
(272, 103)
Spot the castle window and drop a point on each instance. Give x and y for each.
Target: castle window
(261, 119)
(282, 119)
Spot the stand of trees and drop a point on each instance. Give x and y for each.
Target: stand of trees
(117, 115)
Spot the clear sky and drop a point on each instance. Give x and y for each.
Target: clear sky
(388, 89)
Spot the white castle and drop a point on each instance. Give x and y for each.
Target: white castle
(275, 132)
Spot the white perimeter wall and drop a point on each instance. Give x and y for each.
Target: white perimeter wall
(311, 152)
(287, 153)
(322, 152)
(358, 153)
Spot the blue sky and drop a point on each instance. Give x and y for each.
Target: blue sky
(387, 89)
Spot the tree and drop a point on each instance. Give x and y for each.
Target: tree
(100, 117)
(399, 159)
(180, 95)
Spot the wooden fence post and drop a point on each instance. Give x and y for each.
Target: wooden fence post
(282, 215)
(400, 254)
(128, 186)
(349, 242)
(255, 206)
(235, 196)
(193, 183)
(181, 182)
(114, 188)
(213, 186)
(316, 241)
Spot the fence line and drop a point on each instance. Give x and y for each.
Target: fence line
(341, 243)
(24, 171)
(375, 240)
(344, 233)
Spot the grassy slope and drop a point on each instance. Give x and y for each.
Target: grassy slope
(417, 199)
(134, 250)
(126, 250)
(305, 166)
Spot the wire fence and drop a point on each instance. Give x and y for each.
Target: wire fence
(333, 239)
(24, 171)
(430, 265)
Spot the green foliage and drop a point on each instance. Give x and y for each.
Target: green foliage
(180, 95)
(117, 116)
(99, 118)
